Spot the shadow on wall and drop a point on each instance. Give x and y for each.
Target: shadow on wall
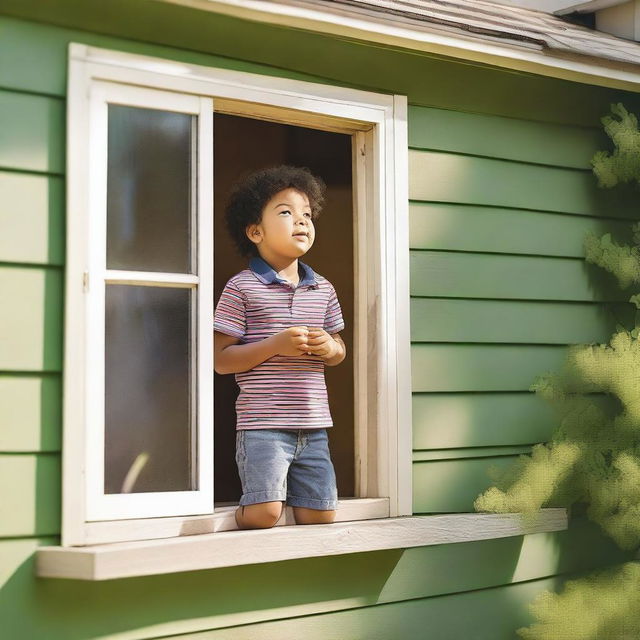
(33, 608)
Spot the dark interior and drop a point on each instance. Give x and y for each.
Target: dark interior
(244, 144)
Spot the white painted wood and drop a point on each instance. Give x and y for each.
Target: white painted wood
(324, 122)
(95, 209)
(202, 251)
(381, 290)
(360, 331)
(337, 103)
(378, 125)
(85, 311)
(149, 278)
(233, 548)
(98, 505)
(74, 372)
(147, 98)
(373, 351)
(403, 466)
(222, 520)
(429, 38)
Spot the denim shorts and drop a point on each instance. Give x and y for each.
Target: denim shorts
(291, 465)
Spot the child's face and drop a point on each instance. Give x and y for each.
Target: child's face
(286, 229)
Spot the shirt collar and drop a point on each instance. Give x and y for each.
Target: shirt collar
(266, 274)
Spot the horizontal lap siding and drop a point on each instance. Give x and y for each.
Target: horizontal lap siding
(32, 165)
(499, 286)
(463, 417)
(348, 595)
(31, 286)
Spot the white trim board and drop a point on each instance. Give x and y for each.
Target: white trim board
(525, 57)
(233, 548)
(222, 520)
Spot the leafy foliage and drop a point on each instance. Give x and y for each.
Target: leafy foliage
(593, 456)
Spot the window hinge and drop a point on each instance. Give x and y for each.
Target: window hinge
(85, 281)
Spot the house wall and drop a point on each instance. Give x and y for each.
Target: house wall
(500, 197)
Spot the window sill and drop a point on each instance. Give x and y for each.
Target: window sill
(232, 548)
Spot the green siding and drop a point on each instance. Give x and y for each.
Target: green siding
(469, 367)
(345, 590)
(501, 230)
(31, 218)
(501, 196)
(447, 274)
(465, 179)
(32, 132)
(31, 324)
(460, 320)
(29, 494)
(451, 486)
(458, 419)
(505, 138)
(30, 412)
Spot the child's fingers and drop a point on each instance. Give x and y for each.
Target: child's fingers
(317, 349)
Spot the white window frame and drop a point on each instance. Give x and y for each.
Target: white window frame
(100, 506)
(381, 357)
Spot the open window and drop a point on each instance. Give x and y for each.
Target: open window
(153, 147)
(241, 144)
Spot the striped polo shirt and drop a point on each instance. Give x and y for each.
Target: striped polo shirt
(283, 392)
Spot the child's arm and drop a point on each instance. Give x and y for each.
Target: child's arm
(231, 357)
(340, 354)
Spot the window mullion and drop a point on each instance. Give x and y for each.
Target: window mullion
(150, 279)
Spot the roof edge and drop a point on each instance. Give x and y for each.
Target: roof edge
(523, 57)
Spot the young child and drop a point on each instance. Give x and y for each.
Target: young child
(276, 326)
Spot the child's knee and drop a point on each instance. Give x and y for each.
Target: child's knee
(262, 515)
(314, 516)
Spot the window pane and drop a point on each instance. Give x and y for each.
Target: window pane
(149, 186)
(148, 385)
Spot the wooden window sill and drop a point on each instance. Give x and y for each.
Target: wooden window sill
(232, 548)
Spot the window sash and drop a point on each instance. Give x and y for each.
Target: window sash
(98, 505)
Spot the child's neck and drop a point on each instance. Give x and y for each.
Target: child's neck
(285, 268)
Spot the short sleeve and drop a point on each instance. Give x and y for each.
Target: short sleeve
(333, 321)
(229, 316)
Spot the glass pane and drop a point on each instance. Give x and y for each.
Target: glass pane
(149, 190)
(148, 386)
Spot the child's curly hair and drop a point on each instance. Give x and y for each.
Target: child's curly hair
(250, 194)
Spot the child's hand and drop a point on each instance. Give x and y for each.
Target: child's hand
(291, 342)
(320, 343)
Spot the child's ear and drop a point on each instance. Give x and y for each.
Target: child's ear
(253, 233)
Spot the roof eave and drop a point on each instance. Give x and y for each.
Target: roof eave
(520, 56)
